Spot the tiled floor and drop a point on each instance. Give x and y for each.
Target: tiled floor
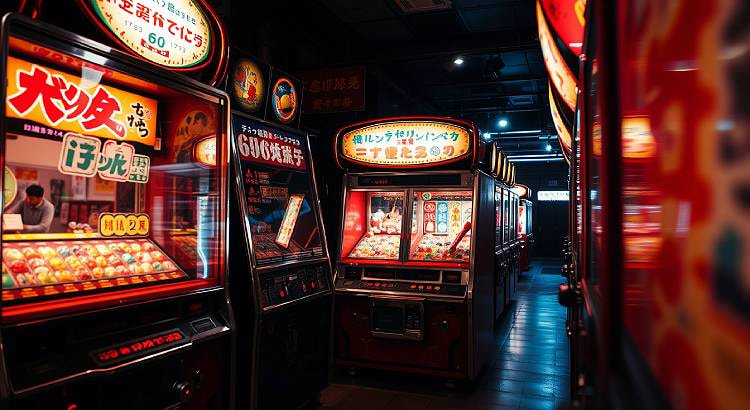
(528, 371)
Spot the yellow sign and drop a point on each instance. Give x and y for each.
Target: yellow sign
(123, 224)
(406, 143)
(559, 72)
(44, 97)
(10, 187)
(205, 151)
(172, 33)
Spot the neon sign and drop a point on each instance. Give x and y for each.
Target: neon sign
(406, 143)
(559, 72)
(174, 33)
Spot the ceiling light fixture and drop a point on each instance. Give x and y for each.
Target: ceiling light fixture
(502, 123)
(458, 61)
(548, 147)
(487, 135)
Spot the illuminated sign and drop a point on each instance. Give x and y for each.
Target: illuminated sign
(87, 156)
(521, 219)
(41, 96)
(284, 100)
(637, 139)
(406, 143)
(249, 84)
(174, 33)
(264, 145)
(123, 224)
(559, 72)
(568, 20)
(289, 221)
(139, 347)
(205, 151)
(552, 195)
(563, 134)
(10, 187)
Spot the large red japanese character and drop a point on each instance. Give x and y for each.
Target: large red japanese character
(36, 85)
(99, 113)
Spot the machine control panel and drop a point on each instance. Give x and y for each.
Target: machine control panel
(410, 287)
(289, 285)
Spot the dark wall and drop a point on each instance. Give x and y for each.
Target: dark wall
(550, 218)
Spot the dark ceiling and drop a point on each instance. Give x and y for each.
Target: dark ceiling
(410, 45)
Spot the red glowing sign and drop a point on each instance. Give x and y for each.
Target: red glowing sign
(568, 20)
(139, 347)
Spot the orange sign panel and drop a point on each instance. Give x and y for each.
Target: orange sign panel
(43, 96)
(406, 143)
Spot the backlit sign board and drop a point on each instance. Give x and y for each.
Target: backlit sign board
(552, 195)
(174, 34)
(406, 143)
(50, 103)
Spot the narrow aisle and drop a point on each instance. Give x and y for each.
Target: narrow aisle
(528, 371)
(532, 363)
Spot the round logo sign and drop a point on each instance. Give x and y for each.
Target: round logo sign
(284, 100)
(172, 33)
(249, 85)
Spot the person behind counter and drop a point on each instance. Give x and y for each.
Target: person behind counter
(36, 212)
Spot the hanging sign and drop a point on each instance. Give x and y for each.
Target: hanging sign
(406, 143)
(40, 96)
(520, 190)
(86, 156)
(560, 74)
(248, 82)
(334, 90)
(173, 33)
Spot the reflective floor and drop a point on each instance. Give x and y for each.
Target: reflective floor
(529, 369)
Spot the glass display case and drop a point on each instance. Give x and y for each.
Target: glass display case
(441, 226)
(110, 181)
(373, 225)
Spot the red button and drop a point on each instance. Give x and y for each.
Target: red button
(304, 287)
(412, 286)
(429, 287)
(420, 287)
(312, 284)
(437, 288)
(281, 293)
(377, 285)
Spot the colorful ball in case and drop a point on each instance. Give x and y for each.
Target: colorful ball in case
(114, 260)
(31, 253)
(64, 251)
(146, 267)
(12, 254)
(157, 256)
(99, 272)
(47, 252)
(56, 263)
(8, 281)
(135, 247)
(158, 267)
(127, 258)
(18, 266)
(91, 251)
(103, 250)
(110, 272)
(64, 276)
(36, 262)
(148, 247)
(122, 270)
(101, 261)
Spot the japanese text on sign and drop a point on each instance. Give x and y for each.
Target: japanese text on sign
(289, 221)
(56, 99)
(171, 33)
(406, 143)
(124, 224)
(86, 156)
(266, 146)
